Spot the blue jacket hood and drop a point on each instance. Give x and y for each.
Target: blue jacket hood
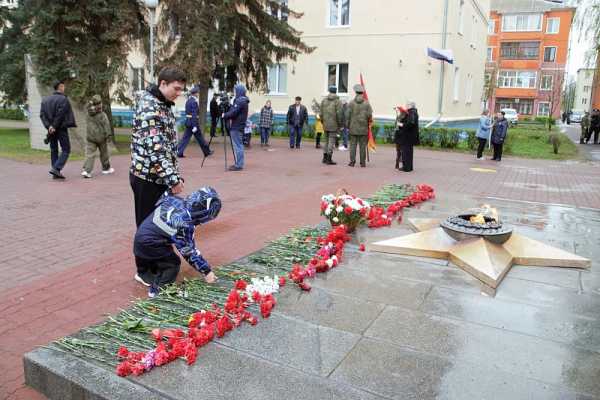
(240, 90)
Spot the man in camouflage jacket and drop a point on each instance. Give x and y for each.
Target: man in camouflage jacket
(358, 118)
(333, 119)
(98, 131)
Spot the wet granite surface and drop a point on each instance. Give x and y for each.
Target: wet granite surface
(393, 327)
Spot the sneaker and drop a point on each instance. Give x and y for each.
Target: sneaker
(481, 158)
(86, 174)
(342, 148)
(141, 280)
(153, 291)
(111, 170)
(56, 174)
(234, 168)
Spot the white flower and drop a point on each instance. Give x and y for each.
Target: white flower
(339, 209)
(334, 257)
(264, 286)
(329, 263)
(328, 210)
(336, 219)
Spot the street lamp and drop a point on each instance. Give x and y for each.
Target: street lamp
(151, 4)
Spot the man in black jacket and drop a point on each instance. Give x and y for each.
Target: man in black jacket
(410, 135)
(297, 116)
(215, 113)
(57, 116)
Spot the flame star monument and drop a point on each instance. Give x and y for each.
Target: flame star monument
(479, 244)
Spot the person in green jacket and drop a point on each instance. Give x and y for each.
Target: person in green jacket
(359, 115)
(333, 120)
(585, 128)
(98, 134)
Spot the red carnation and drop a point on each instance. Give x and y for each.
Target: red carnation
(305, 286)
(282, 281)
(348, 210)
(361, 247)
(241, 284)
(123, 352)
(124, 369)
(224, 325)
(265, 308)
(191, 352)
(137, 369)
(256, 296)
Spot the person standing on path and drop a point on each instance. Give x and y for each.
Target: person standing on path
(192, 125)
(499, 132)
(483, 132)
(266, 123)
(585, 128)
(410, 125)
(595, 124)
(154, 168)
(57, 116)
(297, 116)
(97, 137)
(399, 133)
(333, 120)
(358, 117)
(215, 113)
(238, 114)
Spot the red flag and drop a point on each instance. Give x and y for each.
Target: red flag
(371, 141)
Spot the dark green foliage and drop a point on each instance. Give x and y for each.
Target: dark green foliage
(472, 141)
(13, 47)
(14, 114)
(388, 133)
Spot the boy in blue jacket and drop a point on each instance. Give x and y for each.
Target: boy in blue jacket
(173, 222)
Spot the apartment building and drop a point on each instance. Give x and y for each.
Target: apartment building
(386, 41)
(583, 89)
(528, 43)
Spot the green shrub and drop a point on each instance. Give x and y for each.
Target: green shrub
(428, 136)
(545, 120)
(449, 138)
(12, 113)
(472, 141)
(388, 133)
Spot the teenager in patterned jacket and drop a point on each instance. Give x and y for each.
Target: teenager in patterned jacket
(154, 167)
(173, 222)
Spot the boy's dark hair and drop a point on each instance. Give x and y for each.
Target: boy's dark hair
(56, 83)
(171, 74)
(503, 113)
(298, 98)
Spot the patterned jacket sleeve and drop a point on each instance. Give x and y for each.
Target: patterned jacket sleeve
(152, 145)
(185, 244)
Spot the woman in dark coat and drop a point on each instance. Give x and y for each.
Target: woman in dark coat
(399, 133)
(410, 136)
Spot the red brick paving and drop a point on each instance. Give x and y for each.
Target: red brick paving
(66, 246)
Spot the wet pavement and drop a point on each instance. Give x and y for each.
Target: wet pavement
(393, 327)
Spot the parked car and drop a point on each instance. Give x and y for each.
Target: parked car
(511, 115)
(576, 116)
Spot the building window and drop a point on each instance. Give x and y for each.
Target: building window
(584, 101)
(517, 79)
(461, 22)
(456, 83)
(492, 27)
(280, 11)
(490, 54)
(337, 75)
(522, 23)
(339, 12)
(523, 106)
(138, 82)
(543, 109)
(546, 82)
(469, 89)
(277, 78)
(520, 50)
(552, 25)
(549, 54)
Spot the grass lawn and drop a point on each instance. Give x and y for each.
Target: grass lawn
(528, 142)
(15, 145)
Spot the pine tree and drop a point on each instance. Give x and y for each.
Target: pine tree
(229, 40)
(13, 47)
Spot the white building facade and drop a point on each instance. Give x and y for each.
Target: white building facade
(583, 90)
(386, 42)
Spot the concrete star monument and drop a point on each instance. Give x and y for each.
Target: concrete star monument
(479, 256)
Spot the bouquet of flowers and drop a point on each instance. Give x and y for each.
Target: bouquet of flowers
(344, 209)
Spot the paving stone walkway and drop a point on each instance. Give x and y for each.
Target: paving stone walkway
(66, 246)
